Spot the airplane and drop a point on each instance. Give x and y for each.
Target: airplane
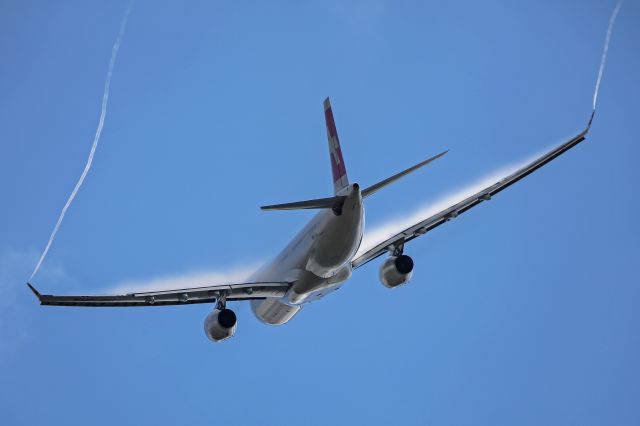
(321, 257)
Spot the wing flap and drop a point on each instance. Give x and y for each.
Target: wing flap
(455, 210)
(185, 296)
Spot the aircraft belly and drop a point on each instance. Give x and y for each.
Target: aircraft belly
(332, 252)
(317, 261)
(310, 287)
(338, 241)
(273, 311)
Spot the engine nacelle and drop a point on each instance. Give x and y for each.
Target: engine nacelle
(396, 270)
(220, 324)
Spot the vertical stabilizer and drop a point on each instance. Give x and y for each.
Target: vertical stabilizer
(338, 169)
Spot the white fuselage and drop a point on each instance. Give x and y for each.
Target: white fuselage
(317, 260)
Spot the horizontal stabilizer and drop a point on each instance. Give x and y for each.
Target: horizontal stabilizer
(320, 203)
(376, 187)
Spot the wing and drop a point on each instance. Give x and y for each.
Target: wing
(421, 228)
(183, 296)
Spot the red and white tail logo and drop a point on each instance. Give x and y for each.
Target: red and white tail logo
(338, 169)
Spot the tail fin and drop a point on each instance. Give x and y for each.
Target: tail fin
(338, 168)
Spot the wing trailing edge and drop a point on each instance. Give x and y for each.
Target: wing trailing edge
(457, 209)
(183, 296)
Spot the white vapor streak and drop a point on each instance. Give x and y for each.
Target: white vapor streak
(612, 21)
(96, 139)
(188, 280)
(394, 226)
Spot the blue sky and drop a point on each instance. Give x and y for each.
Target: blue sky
(523, 311)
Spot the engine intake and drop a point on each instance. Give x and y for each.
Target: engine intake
(220, 324)
(396, 270)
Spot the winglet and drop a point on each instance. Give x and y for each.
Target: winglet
(36, 292)
(593, 113)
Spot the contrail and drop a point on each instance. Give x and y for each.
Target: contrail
(96, 139)
(607, 39)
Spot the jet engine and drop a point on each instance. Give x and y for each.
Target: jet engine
(220, 324)
(396, 270)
